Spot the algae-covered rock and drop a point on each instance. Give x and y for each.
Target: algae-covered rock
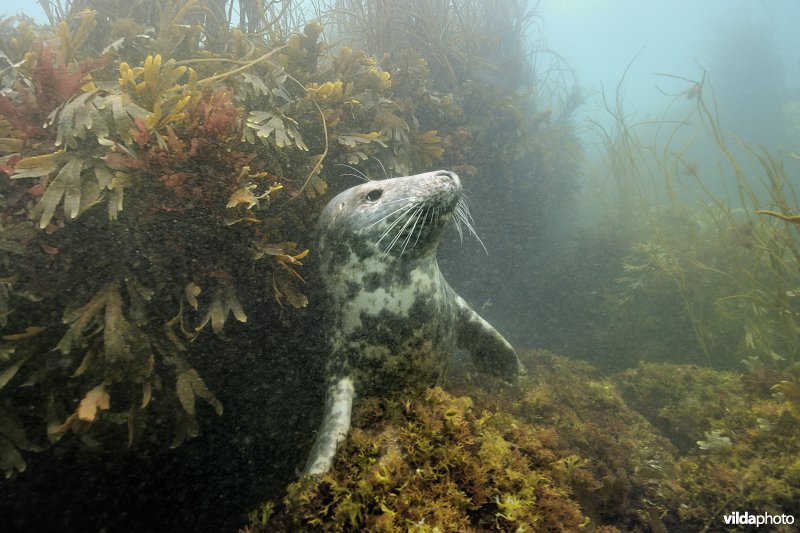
(619, 466)
(557, 451)
(680, 399)
(566, 447)
(434, 463)
(741, 445)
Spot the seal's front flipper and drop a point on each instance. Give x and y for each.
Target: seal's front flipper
(490, 351)
(334, 428)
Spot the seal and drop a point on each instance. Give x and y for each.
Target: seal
(395, 322)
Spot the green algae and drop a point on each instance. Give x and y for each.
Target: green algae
(557, 451)
(655, 448)
(739, 445)
(434, 463)
(671, 397)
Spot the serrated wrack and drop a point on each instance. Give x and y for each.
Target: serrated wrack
(94, 400)
(186, 426)
(67, 185)
(285, 288)
(136, 415)
(285, 277)
(10, 458)
(224, 302)
(39, 166)
(355, 139)
(138, 295)
(189, 385)
(275, 127)
(29, 332)
(125, 348)
(192, 291)
(11, 370)
(101, 114)
(12, 440)
(81, 319)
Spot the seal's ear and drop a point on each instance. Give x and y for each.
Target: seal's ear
(490, 351)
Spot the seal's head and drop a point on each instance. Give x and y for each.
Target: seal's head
(390, 218)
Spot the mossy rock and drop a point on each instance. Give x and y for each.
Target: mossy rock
(739, 444)
(679, 400)
(433, 463)
(557, 451)
(565, 447)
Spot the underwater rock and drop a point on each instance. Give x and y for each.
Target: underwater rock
(672, 397)
(558, 451)
(740, 444)
(432, 463)
(621, 465)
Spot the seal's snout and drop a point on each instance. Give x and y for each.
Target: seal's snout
(446, 174)
(444, 186)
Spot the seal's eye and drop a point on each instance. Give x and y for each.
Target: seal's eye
(374, 196)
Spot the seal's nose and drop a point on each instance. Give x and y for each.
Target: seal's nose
(447, 174)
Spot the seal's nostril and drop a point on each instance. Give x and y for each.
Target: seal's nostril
(452, 176)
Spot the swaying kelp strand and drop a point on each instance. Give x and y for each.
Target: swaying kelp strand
(732, 268)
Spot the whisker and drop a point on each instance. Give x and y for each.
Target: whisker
(400, 231)
(424, 218)
(406, 223)
(457, 223)
(354, 176)
(385, 175)
(395, 221)
(390, 214)
(463, 216)
(406, 209)
(358, 173)
(464, 210)
(415, 216)
(392, 242)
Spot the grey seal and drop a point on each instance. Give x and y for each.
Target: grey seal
(395, 321)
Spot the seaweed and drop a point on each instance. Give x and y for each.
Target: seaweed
(738, 445)
(136, 203)
(160, 163)
(559, 450)
(431, 463)
(710, 244)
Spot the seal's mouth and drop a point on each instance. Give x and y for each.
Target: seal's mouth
(418, 221)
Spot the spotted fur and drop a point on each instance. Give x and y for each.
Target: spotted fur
(395, 320)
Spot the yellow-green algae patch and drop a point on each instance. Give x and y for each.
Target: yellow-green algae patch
(619, 468)
(557, 451)
(434, 463)
(744, 441)
(660, 447)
